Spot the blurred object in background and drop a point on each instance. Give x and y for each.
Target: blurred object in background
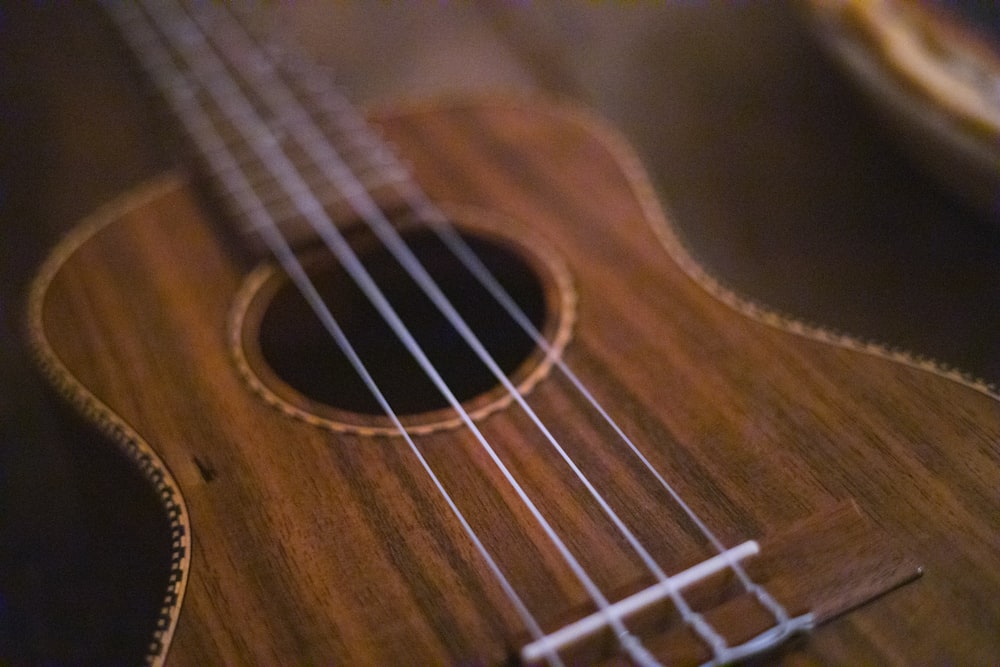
(932, 70)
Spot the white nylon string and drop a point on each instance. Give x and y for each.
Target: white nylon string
(214, 150)
(246, 57)
(287, 106)
(213, 78)
(292, 119)
(333, 103)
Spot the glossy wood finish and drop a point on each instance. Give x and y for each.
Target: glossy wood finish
(308, 546)
(775, 172)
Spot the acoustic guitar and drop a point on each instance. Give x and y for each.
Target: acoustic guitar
(442, 386)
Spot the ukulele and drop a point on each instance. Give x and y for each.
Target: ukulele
(442, 386)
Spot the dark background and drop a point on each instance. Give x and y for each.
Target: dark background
(777, 174)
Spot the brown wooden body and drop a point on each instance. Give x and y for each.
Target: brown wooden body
(300, 545)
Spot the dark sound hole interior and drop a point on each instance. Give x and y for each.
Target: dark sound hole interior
(304, 355)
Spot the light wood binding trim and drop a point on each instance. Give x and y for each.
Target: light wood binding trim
(671, 236)
(110, 424)
(540, 112)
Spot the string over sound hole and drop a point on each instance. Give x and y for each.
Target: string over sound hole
(302, 354)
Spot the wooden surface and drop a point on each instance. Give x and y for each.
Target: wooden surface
(336, 545)
(775, 173)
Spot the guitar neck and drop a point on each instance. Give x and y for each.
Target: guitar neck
(243, 107)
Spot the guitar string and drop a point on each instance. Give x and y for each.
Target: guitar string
(536, 334)
(336, 105)
(312, 209)
(215, 78)
(214, 150)
(286, 106)
(438, 222)
(713, 639)
(345, 116)
(247, 57)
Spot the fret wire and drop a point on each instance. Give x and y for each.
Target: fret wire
(282, 102)
(285, 213)
(198, 124)
(215, 78)
(337, 117)
(382, 178)
(364, 154)
(260, 175)
(374, 167)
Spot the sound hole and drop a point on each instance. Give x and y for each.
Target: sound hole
(302, 353)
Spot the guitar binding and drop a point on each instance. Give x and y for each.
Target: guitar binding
(538, 271)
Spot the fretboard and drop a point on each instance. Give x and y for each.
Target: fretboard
(272, 135)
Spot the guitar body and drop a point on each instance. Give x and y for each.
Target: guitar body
(306, 537)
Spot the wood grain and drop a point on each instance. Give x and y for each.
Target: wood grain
(309, 547)
(775, 173)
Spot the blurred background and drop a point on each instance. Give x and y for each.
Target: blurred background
(778, 175)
